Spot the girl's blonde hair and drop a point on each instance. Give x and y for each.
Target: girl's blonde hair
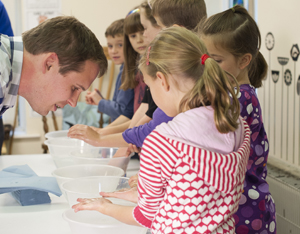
(132, 24)
(178, 51)
(236, 31)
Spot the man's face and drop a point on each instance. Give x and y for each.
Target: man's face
(54, 90)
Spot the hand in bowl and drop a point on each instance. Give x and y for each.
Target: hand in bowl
(85, 133)
(97, 204)
(128, 194)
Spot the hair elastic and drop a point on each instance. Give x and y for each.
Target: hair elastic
(203, 58)
(233, 10)
(133, 11)
(147, 57)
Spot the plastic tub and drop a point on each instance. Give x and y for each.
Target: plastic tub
(60, 148)
(93, 222)
(78, 171)
(99, 155)
(57, 134)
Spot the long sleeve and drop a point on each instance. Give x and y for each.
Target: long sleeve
(158, 158)
(138, 134)
(122, 102)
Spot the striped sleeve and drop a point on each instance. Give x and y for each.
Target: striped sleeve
(157, 161)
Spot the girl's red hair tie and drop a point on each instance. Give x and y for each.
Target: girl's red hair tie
(203, 58)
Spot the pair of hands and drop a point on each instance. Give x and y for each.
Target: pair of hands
(93, 98)
(98, 204)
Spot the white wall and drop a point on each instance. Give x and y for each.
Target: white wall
(280, 102)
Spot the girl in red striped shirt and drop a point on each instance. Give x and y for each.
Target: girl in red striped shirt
(192, 168)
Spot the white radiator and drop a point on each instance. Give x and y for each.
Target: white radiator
(287, 202)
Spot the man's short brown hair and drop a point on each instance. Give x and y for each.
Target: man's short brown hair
(186, 13)
(115, 29)
(71, 40)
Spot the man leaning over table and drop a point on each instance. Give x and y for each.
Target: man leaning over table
(50, 65)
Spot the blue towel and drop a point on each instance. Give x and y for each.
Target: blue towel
(26, 186)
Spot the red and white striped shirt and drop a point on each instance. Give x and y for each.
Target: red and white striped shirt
(187, 189)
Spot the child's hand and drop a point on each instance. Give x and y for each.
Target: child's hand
(128, 194)
(133, 149)
(133, 180)
(97, 204)
(93, 98)
(85, 133)
(121, 152)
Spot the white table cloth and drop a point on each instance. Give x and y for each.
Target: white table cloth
(37, 219)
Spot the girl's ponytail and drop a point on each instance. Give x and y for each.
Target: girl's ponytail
(215, 89)
(219, 89)
(237, 32)
(178, 51)
(258, 70)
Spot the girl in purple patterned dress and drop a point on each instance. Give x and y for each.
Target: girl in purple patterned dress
(233, 39)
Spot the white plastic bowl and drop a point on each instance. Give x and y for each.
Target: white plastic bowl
(99, 155)
(89, 187)
(57, 134)
(60, 149)
(78, 171)
(93, 222)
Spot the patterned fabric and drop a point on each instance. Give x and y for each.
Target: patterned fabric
(256, 213)
(11, 60)
(186, 189)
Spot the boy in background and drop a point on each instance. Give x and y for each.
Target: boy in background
(184, 13)
(122, 102)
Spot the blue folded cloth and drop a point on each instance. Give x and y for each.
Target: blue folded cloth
(26, 186)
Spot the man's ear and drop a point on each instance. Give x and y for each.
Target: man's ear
(50, 60)
(245, 60)
(163, 81)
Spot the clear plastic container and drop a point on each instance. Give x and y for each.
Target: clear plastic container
(60, 148)
(93, 222)
(99, 155)
(90, 187)
(57, 134)
(87, 170)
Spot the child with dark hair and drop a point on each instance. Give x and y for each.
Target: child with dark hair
(233, 40)
(122, 102)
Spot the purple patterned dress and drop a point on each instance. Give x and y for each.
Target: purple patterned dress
(256, 213)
